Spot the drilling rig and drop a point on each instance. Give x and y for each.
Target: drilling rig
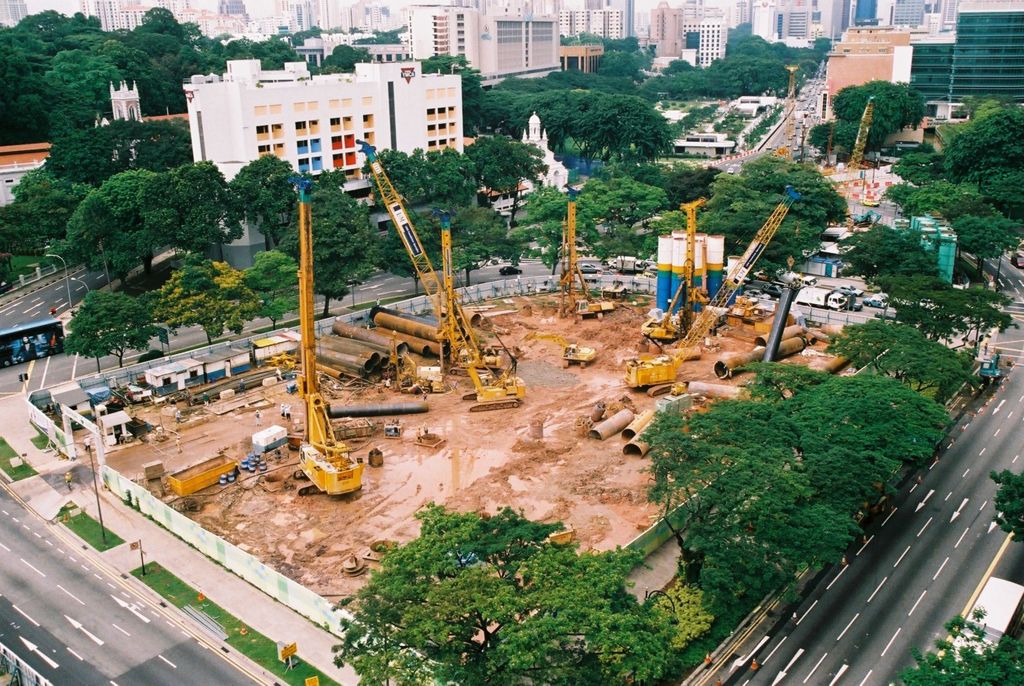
(857, 156)
(323, 459)
(671, 325)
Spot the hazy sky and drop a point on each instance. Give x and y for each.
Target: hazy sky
(265, 7)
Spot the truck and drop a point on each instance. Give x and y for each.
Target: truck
(625, 264)
(822, 297)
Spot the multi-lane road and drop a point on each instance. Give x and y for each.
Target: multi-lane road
(76, 624)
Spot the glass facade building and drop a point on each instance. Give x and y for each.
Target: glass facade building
(931, 67)
(988, 56)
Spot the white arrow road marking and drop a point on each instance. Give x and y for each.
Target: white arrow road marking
(957, 513)
(33, 648)
(842, 670)
(782, 675)
(921, 504)
(130, 608)
(78, 625)
(991, 526)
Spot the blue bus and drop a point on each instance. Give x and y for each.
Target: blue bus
(31, 341)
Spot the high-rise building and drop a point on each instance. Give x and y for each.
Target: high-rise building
(930, 68)
(763, 19)
(794, 18)
(12, 12)
(908, 13)
(988, 56)
(628, 9)
(866, 12)
(231, 8)
(867, 54)
(675, 29)
(606, 23)
(948, 10)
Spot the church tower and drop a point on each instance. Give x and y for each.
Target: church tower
(125, 102)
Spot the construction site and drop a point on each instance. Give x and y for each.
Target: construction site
(318, 459)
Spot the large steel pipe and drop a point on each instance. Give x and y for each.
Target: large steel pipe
(419, 346)
(350, 347)
(716, 390)
(406, 326)
(789, 332)
(638, 424)
(725, 366)
(344, 361)
(474, 317)
(611, 426)
(790, 346)
(836, 364)
(778, 332)
(378, 341)
(637, 447)
(375, 410)
(819, 335)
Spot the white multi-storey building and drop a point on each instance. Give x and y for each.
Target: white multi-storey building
(500, 46)
(606, 23)
(675, 30)
(12, 12)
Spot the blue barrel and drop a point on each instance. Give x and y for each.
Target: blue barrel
(223, 479)
(231, 478)
(263, 466)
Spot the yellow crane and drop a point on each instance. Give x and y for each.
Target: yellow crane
(787, 147)
(572, 353)
(323, 459)
(494, 390)
(857, 156)
(570, 302)
(658, 372)
(669, 327)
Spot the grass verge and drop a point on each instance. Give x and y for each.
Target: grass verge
(22, 471)
(41, 441)
(88, 529)
(252, 644)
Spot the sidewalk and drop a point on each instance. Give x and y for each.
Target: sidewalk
(264, 614)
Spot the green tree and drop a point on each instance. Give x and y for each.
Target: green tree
(623, 208)
(39, 215)
(968, 659)
(344, 246)
(79, 81)
(896, 107)
(449, 178)
(503, 164)
(212, 295)
(190, 207)
(108, 323)
(343, 60)
(545, 217)
(489, 600)
(904, 353)
(273, 277)
(987, 145)
(685, 183)
(478, 235)
(921, 167)
(262, 195)
(1003, 189)
(24, 115)
(940, 311)
(949, 200)
(1009, 502)
(884, 251)
(986, 237)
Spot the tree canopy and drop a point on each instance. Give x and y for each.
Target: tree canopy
(273, 277)
(987, 146)
(109, 323)
(967, 659)
(1010, 502)
(883, 251)
(478, 600)
(896, 106)
(503, 164)
(940, 311)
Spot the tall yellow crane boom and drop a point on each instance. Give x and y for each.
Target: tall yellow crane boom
(667, 329)
(790, 107)
(571, 274)
(491, 392)
(660, 371)
(857, 156)
(323, 459)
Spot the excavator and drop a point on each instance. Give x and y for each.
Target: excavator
(572, 353)
(572, 303)
(323, 459)
(657, 373)
(668, 327)
(494, 389)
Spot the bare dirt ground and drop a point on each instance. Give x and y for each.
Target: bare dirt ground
(489, 460)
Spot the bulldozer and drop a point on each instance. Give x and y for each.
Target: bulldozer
(572, 353)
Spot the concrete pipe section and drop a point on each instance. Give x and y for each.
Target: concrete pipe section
(611, 426)
(637, 425)
(337, 411)
(636, 448)
(716, 390)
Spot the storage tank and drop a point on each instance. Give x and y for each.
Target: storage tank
(678, 262)
(715, 249)
(664, 291)
(699, 267)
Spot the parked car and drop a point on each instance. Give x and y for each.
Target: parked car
(509, 270)
(850, 290)
(879, 300)
(590, 268)
(773, 290)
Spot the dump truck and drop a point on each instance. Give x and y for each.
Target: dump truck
(822, 297)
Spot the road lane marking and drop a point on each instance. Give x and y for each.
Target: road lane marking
(782, 675)
(924, 527)
(33, 648)
(961, 538)
(130, 608)
(804, 616)
(968, 470)
(866, 677)
(1015, 458)
(889, 644)
(97, 576)
(919, 599)
(78, 625)
(921, 504)
(837, 577)
(16, 520)
(914, 488)
(70, 594)
(901, 558)
(6, 512)
(843, 632)
(983, 506)
(999, 406)
(120, 629)
(886, 520)
(842, 671)
(941, 567)
(36, 306)
(85, 567)
(995, 434)
(22, 613)
(815, 668)
(5, 547)
(36, 535)
(865, 544)
(32, 568)
(25, 527)
(72, 558)
(878, 588)
(46, 368)
(948, 496)
(777, 646)
(1009, 415)
(167, 661)
(74, 366)
(75, 654)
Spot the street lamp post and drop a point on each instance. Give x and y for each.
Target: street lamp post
(67, 276)
(96, 490)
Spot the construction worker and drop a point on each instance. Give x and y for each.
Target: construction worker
(67, 478)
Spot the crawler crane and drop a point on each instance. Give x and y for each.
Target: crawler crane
(669, 327)
(658, 373)
(493, 389)
(573, 303)
(323, 459)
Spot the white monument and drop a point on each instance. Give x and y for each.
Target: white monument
(556, 175)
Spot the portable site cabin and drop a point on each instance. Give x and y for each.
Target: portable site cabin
(175, 376)
(114, 427)
(265, 348)
(216, 365)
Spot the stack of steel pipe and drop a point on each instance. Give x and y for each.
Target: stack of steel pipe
(726, 366)
(793, 331)
(421, 337)
(377, 341)
(611, 426)
(352, 347)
